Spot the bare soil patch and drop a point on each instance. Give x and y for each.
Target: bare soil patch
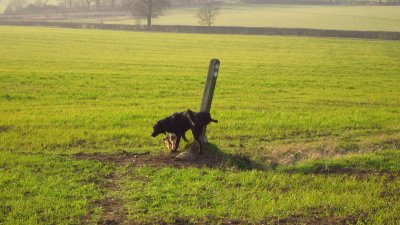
(113, 211)
(153, 160)
(211, 158)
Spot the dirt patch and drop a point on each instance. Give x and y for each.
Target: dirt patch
(113, 211)
(118, 158)
(153, 160)
(211, 158)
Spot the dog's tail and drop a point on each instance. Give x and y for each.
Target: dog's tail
(215, 121)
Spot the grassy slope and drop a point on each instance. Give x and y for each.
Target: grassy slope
(74, 90)
(68, 91)
(382, 18)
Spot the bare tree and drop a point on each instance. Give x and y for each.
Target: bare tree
(208, 13)
(148, 9)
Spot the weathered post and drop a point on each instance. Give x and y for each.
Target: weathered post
(209, 90)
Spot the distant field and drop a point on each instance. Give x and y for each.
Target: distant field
(309, 128)
(374, 18)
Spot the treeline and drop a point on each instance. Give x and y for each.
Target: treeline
(60, 6)
(36, 6)
(384, 35)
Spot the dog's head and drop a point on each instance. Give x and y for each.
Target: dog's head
(158, 128)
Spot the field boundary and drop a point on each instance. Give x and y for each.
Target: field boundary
(383, 35)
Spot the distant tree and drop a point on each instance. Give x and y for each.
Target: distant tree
(208, 13)
(148, 9)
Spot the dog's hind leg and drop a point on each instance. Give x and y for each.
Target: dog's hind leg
(200, 146)
(196, 131)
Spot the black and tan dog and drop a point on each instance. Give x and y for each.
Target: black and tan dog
(179, 123)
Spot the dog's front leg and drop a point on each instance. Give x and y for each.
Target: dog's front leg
(178, 139)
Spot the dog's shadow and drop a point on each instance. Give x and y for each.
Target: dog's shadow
(213, 157)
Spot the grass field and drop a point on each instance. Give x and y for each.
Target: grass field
(374, 18)
(309, 128)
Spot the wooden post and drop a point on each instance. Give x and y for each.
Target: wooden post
(209, 90)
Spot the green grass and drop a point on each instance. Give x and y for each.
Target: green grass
(77, 90)
(250, 196)
(295, 105)
(374, 18)
(38, 189)
(361, 186)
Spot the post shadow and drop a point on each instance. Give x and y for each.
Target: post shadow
(215, 158)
